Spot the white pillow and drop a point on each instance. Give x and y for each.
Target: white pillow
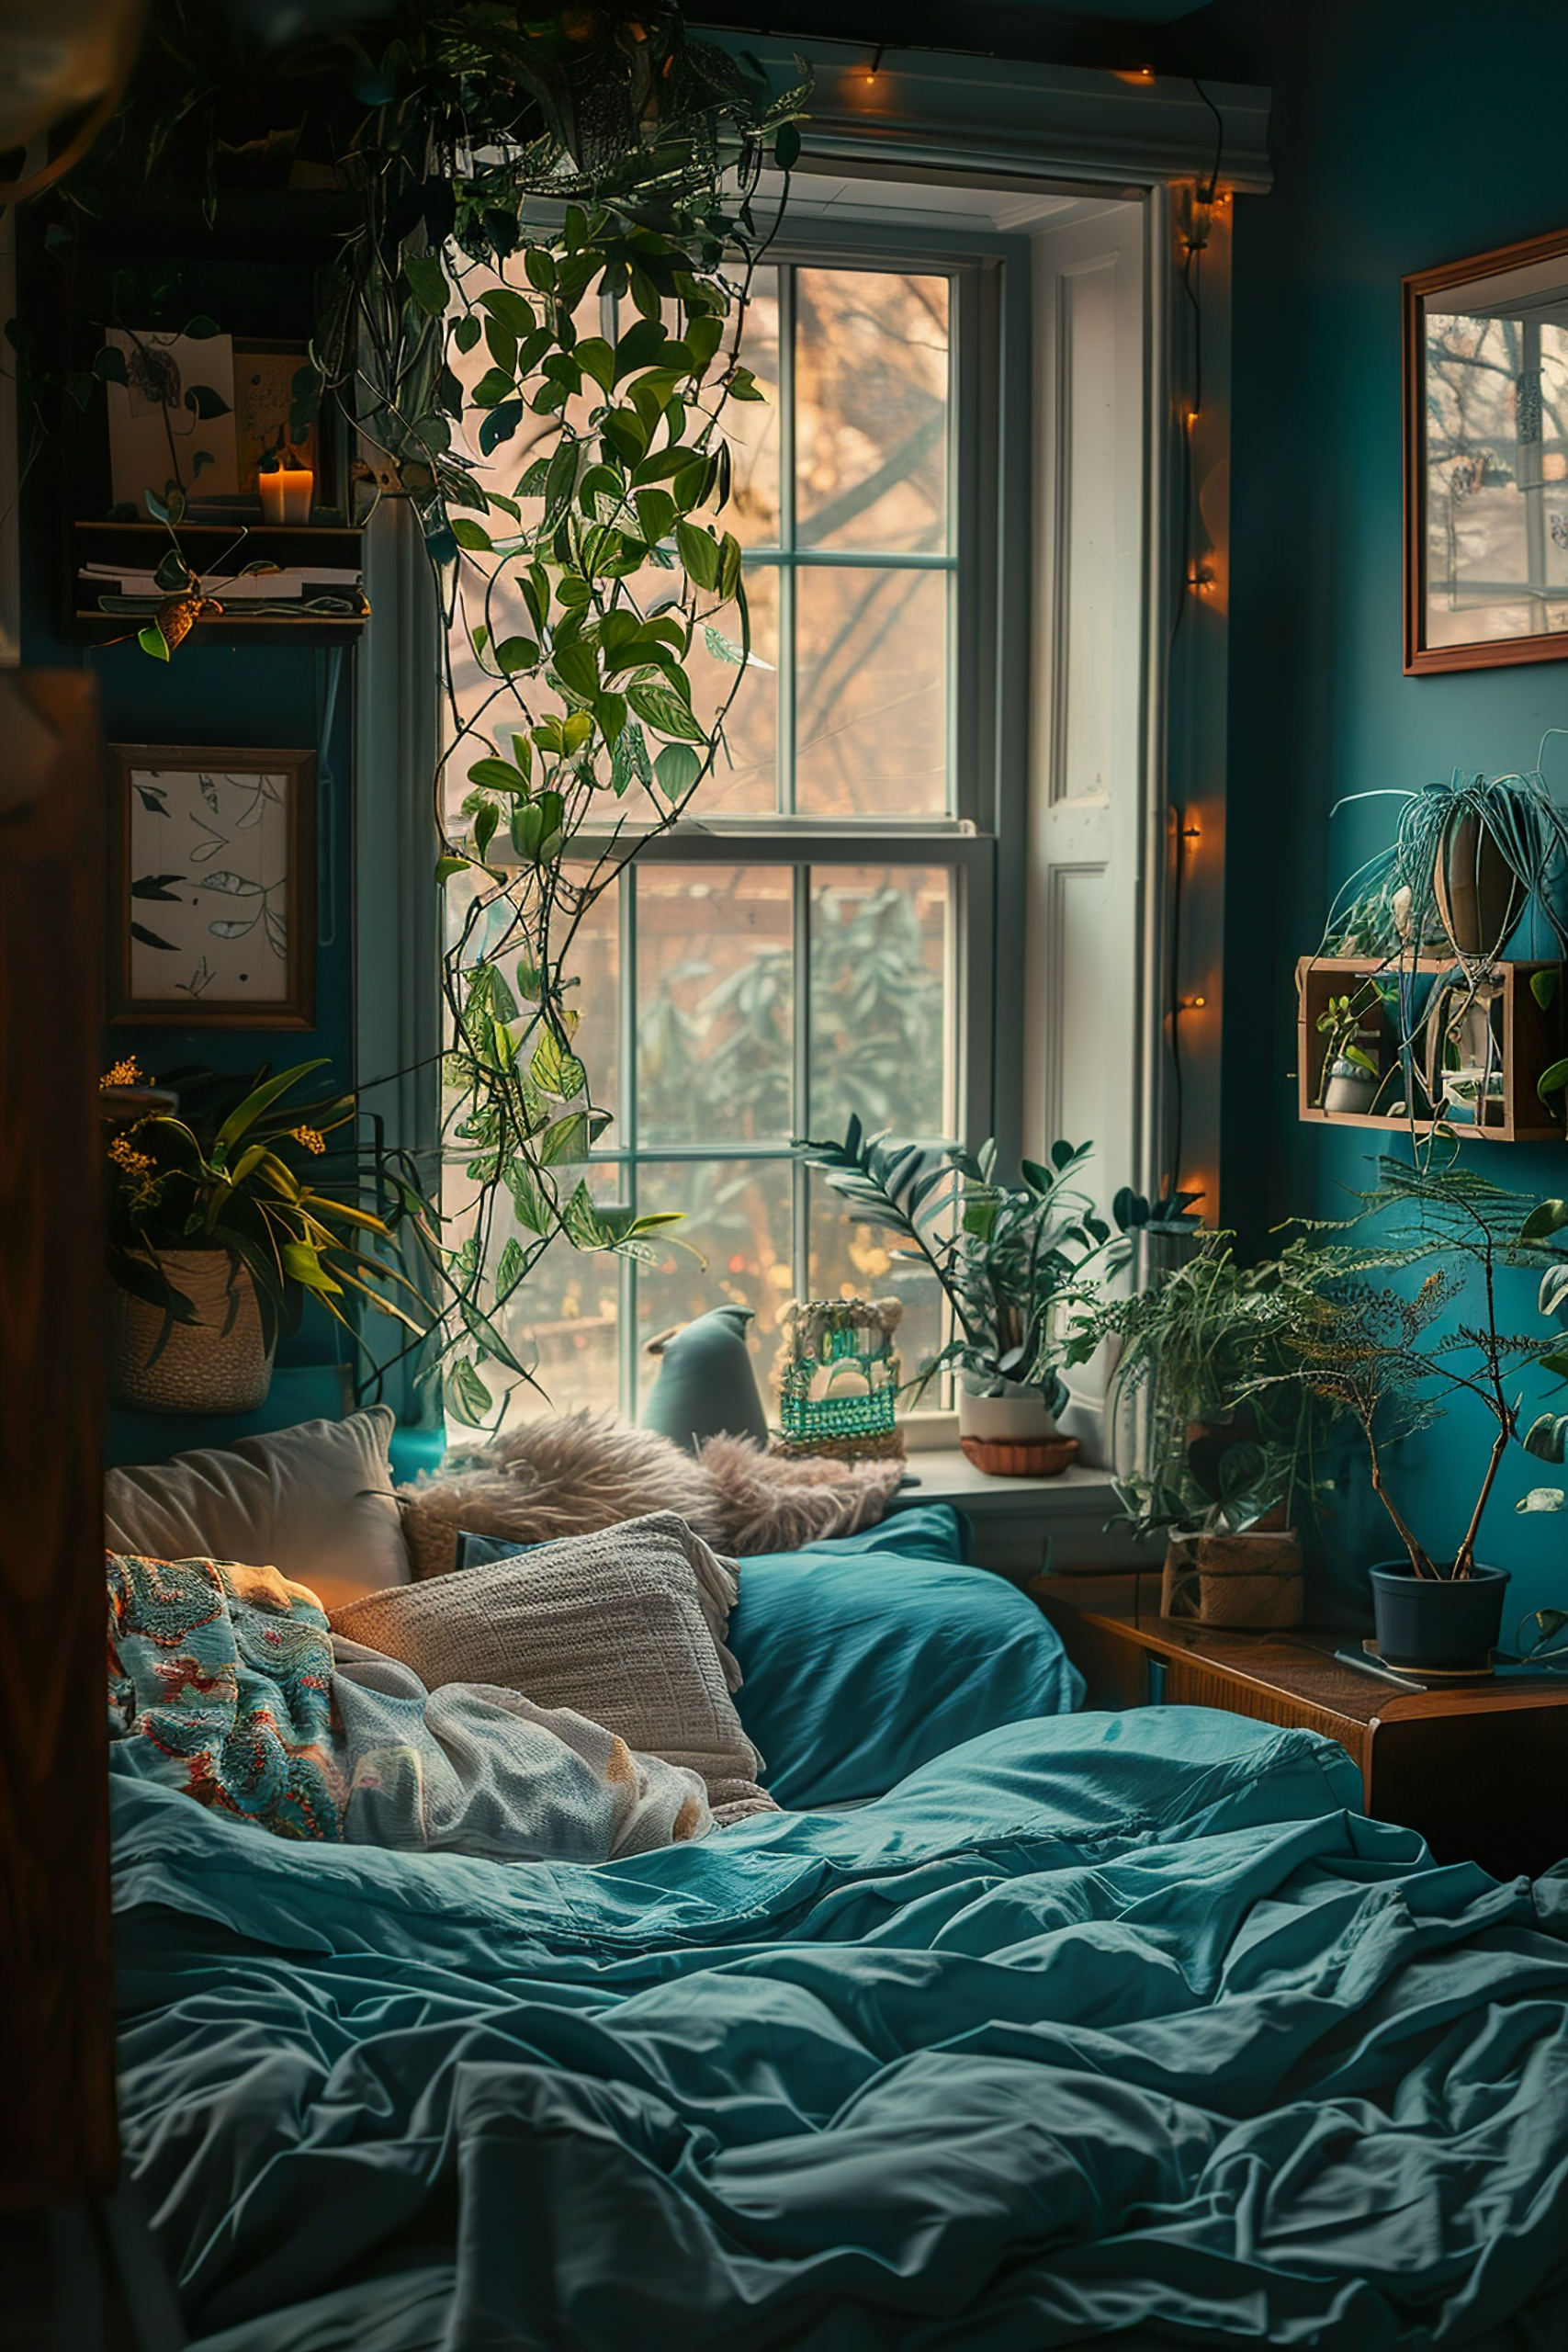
(315, 1502)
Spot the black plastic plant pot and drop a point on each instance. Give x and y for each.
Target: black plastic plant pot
(1437, 1622)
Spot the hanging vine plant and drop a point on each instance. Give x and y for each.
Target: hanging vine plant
(535, 327)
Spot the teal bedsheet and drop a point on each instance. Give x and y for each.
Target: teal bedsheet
(869, 1655)
(1101, 2024)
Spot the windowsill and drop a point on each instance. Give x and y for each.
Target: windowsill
(946, 1476)
(1023, 1526)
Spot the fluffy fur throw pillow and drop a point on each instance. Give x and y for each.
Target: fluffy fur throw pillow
(576, 1473)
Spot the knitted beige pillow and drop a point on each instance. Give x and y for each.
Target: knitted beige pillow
(624, 1625)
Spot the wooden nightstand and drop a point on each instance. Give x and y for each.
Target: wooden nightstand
(1481, 1768)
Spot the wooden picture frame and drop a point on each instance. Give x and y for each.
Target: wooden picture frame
(1514, 286)
(213, 864)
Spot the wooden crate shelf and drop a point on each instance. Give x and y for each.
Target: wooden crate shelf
(1530, 1037)
(336, 547)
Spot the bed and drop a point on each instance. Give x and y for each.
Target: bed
(1091, 2026)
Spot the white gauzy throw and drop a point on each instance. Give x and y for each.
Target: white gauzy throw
(473, 1769)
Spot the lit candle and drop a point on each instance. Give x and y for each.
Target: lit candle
(285, 492)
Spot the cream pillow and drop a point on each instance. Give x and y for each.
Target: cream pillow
(315, 1501)
(611, 1624)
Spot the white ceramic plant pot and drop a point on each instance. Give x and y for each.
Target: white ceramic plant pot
(1017, 1416)
(1349, 1090)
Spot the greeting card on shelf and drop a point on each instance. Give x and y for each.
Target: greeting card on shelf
(173, 418)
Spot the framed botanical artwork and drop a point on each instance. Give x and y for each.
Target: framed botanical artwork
(1486, 459)
(212, 892)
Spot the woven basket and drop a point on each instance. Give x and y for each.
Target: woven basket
(1251, 1581)
(220, 1363)
(1044, 1458)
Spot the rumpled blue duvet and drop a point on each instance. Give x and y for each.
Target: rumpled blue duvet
(1097, 2024)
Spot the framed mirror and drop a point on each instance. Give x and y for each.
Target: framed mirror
(1486, 459)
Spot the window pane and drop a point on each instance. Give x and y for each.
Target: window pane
(853, 1261)
(871, 410)
(744, 782)
(881, 999)
(752, 427)
(566, 1317)
(715, 981)
(737, 1214)
(871, 719)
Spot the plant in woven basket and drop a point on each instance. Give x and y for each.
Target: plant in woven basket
(1216, 1447)
(256, 1183)
(1012, 1261)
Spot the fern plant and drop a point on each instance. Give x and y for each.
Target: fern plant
(1013, 1261)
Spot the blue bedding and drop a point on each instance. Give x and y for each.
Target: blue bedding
(868, 1655)
(1098, 2025)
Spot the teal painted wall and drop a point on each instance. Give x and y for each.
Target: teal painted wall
(1403, 136)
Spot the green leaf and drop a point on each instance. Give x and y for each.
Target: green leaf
(497, 776)
(527, 1197)
(595, 359)
(665, 710)
(447, 867)
(472, 536)
(555, 1069)
(467, 1396)
(1553, 1079)
(1545, 1218)
(108, 365)
(514, 653)
(699, 553)
(720, 646)
(561, 481)
(513, 309)
(677, 768)
(486, 820)
(787, 147)
(502, 345)
(577, 669)
(1543, 987)
(426, 282)
(566, 1141)
(153, 640)
(467, 331)
(638, 348)
(204, 402)
(494, 387)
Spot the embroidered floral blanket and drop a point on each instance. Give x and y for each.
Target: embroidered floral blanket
(226, 1682)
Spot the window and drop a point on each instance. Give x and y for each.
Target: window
(808, 948)
(933, 774)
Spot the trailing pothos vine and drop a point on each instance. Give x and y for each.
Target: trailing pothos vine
(567, 199)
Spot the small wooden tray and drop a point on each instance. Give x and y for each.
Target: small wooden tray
(1006, 1458)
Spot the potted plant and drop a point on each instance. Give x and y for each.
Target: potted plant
(1211, 1452)
(1350, 1077)
(1381, 1355)
(1469, 860)
(1012, 1260)
(219, 1232)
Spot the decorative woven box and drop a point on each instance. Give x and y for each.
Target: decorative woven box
(839, 1378)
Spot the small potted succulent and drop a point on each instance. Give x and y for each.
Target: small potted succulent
(221, 1226)
(1350, 1074)
(1012, 1262)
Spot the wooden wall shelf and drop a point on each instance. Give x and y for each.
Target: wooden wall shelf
(334, 547)
(1530, 1038)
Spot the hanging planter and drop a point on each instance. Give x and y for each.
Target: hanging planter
(1479, 895)
(220, 1363)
